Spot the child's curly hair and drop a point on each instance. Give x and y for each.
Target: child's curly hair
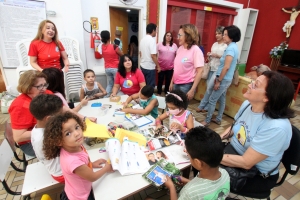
(53, 137)
(170, 98)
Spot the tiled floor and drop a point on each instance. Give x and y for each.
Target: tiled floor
(289, 190)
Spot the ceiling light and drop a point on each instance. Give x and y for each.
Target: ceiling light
(128, 10)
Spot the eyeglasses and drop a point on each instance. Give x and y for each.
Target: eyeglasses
(40, 87)
(179, 35)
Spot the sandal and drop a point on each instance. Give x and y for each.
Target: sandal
(205, 124)
(216, 121)
(200, 110)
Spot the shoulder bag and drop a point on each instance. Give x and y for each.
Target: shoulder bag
(239, 176)
(206, 69)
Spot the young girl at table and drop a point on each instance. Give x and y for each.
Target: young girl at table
(180, 119)
(91, 89)
(64, 137)
(147, 101)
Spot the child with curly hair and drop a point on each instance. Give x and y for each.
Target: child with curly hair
(64, 137)
(180, 119)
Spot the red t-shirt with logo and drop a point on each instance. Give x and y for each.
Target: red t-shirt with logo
(131, 83)
(48, 54)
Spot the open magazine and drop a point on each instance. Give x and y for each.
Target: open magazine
(127, 157)
(156, 175)
(174, 154)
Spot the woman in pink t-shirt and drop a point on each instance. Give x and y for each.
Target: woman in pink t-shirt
(189, 61)
(129, 78)
(166, 55)
(110, 55)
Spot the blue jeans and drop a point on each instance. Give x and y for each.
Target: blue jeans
(209, 83)
(149, 75)
(183, 87)
(213, 96)
(110, 74)
(28, 149)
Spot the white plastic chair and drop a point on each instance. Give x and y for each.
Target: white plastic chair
(161, 103)
(74, 77)
(22, 48)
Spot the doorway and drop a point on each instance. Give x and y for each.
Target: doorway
(125, 20)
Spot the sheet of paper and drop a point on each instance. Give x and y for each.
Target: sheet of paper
(113, 149)
(95, 130)
(132, 136)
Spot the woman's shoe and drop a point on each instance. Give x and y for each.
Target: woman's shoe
(200, 110)
(216, 121)
(205, 124)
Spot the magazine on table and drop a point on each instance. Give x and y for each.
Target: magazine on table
(174, 155)
(127, 157)
(138, 120)
(156, 175)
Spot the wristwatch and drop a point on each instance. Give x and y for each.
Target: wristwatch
(218, 78)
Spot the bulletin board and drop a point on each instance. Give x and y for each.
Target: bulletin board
(19, 19)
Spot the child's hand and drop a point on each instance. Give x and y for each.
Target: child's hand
(108, 167)
(99, 163)
(100, 94)
(125, 110)
(169, 183)
(184, 180)
(176, 126)
(92, 119)
(125, 105)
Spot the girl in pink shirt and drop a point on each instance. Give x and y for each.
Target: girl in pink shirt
(64, 137)
(180, 118)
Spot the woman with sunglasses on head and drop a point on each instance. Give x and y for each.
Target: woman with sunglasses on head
(31, 84)
(166, 55)
(262, 130)
(223, 76)
(129, 78)
(188, 63)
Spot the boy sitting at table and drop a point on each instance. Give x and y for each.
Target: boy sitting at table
(205, 150)
(42, 107)
(146, 99)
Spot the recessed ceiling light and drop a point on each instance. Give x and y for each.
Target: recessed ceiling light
(128, 10)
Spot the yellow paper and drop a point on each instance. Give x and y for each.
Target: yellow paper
(132, 136)
(95, 130)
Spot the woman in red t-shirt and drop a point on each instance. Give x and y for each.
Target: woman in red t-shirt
(31, 84)
(129, 78)
(45, 49)
(110, 55)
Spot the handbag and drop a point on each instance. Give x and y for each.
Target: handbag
(206, 70)
(239, 176)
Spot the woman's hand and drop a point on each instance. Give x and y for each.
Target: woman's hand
(112, 95)
(190, 94)
(66, 68)
(217, 85)
(84, 102)
(171, 86)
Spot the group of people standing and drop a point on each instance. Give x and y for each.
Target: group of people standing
(261, 132)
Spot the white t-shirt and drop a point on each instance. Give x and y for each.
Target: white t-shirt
(147, 47)
(218, 49)
(53, 165)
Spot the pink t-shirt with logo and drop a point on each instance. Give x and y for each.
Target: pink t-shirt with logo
(185, 64)
(166, 55)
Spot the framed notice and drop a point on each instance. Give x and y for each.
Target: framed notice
(19, 19)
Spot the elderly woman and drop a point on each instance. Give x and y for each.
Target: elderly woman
(189, 61)
(46, 50)
(224, 75)
(129, 78)
(110, 55)
(31, 84)
(256, 71)
(216, 53)
(262, 131)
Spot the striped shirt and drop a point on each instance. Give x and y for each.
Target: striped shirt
(204, 189)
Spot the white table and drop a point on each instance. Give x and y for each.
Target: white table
(115, 186)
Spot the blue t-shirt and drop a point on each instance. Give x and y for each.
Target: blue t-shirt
(267, 136)
(231, 50)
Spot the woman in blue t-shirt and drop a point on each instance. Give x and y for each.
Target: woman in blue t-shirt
(262, 131)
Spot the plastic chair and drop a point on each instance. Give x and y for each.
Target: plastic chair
(161, 103)
(74, 77)
(6, 155)
(290, 160)
(22, 48)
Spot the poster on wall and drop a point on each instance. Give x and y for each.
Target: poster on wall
(19, 19)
